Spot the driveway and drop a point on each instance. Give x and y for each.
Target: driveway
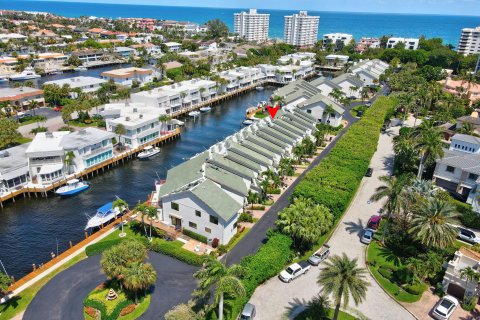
(63, 296)
(274, 299)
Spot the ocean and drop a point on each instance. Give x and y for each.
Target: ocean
(358, 24)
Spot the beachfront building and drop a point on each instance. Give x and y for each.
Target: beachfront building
(301, 30)
(14, 173)
(407, 43)
(305, 96)
(207, 193)
(84, 84)
(367, 43)
(141, 123)
(251, 25)
(129, 76)
(178, 96)
(337, 39)
(453, 283)
(20, 97)
(469, 42)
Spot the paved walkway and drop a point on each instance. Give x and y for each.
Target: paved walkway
(274, 299)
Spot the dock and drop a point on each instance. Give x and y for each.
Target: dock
(90, 172)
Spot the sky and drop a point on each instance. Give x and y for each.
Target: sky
(447, 7)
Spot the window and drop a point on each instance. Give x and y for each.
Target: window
(473, 176)
(213, 219)
(198, 213)
(309, 111)
(192, 225)
(208, 230)
(175, 206)
(450, 169)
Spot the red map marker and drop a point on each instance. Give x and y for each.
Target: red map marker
(273, 111)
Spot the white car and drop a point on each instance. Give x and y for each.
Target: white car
(294, 271)
(445, 308)
(367, 236)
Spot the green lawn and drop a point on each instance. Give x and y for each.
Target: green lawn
(20, 302)
(33, 120)
(260, 115)
(384, 257)
(113, 239)
(23, 140)
(341, 316)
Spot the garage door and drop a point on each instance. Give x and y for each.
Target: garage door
(456, 290)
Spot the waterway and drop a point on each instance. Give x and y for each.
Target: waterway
(30, 229)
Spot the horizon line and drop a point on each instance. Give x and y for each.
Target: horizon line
(263, 9)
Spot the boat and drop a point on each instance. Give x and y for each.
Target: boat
(104, 214)
(259, 88)
(247, 122)
(56, 72)
(72, 187)
(205, 109)
(27, 74)
(194, 113)
(80, 68)
(3, 79)
(148, 152)
(178, 122)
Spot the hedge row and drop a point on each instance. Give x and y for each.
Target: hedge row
(100, 306)
(173, 250)
(194, 235)
(335, 180)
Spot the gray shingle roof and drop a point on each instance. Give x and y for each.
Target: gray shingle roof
(226, 179)
(466, 138)
(320, 98)
(470, 119)
(348, 77)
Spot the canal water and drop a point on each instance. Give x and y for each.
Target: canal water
(30, 229)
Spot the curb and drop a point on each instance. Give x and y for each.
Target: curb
(378, 283)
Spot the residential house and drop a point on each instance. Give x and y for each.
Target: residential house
(173, 46)
(21, 97)
(206, 194)
(453, 282)
(129, 76)
(125, 52)
(337, 61)
(462, 89)
(50, 61)
(44, 34)
(349, 84)
(367, 43)
(473, 121)
(369, 71)
(85, 84)
(87, 56)
(8, 65)
(337, 39)
(408, 43)
(325, 85)
(14, 173)
(150, 48)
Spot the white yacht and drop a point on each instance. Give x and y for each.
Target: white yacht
(72, 187)
(104, 214)
(80, 68)
(205, 109)
(148, 152)
(27, 74)
(194, 113)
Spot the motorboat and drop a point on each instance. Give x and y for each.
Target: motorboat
(104, 214)
(259, 88)
(72, 187)
(80, 68)
(206, 109)
(178, 122)
(148, 152)
(194, 113)
(56, 72)
(3, 79)
(27, 74)
(247, 122)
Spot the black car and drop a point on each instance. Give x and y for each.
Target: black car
(369, 172)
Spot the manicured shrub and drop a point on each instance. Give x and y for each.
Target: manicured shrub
(91, 312)
(173, 250)
(194, 235)
(416, 288)
(386, 272)
(128, 309)
(245, 217)
(469, 305)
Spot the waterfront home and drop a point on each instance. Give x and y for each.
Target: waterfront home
(90, 146)
(125, 52)
(129, 76)
(207, 193)
(463, 89)
(84, 84)
(12, 36)
(406, 43)
(87, 56)
(173, 46)
(8, 65)
(150, 48)
(241, 77)
(337, 39)
(141, 123)
(20, 97)
(458, 171)
(14, 172)
(453, 283)
(336, 61)
(269, 70)
(177, 96)
(349, 84)
(50, 61)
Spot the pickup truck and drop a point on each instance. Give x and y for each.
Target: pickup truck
(294, 271)
(319, 255)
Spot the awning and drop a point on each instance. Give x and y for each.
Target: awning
(50, 168)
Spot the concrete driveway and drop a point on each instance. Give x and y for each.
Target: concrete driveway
(275, 299)
(62, 297)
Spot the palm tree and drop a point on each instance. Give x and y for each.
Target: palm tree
(391, 190)
(470, 275)
(139, 277)
(148, 211)
(69, 157)
(467, 128)
(433, 223)
(252, 197)
(364, 93)
(298, 152)
(215, 276)
(428, 141)
(318, 307)
(286, 167)
(122, 205)
(120, 130)
(342, 278)
(164, 119)
(151, 214)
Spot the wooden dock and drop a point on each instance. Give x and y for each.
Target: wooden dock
(90, 172)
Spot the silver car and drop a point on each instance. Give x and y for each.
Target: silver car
(248, 312)
(367, 236)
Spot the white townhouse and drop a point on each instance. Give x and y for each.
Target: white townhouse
(349, 84)
(175, 97)
(207, 193)
(270, 71)
(453, 283)
(297, 58)
(141, 123)
(336, 38)
(301, 30)
(369, 71)
(458, 171)
(85, 84)
(127, 76)
(251, 25)
(173, 46)
(408, 43)
(14, 173)
(241, 77)
(325, 85)
(336, 60)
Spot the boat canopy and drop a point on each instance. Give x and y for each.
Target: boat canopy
(148, 148)
(105, 208)
(73, 181)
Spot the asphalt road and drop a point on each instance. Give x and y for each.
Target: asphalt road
(62, 297)
(49, 113)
